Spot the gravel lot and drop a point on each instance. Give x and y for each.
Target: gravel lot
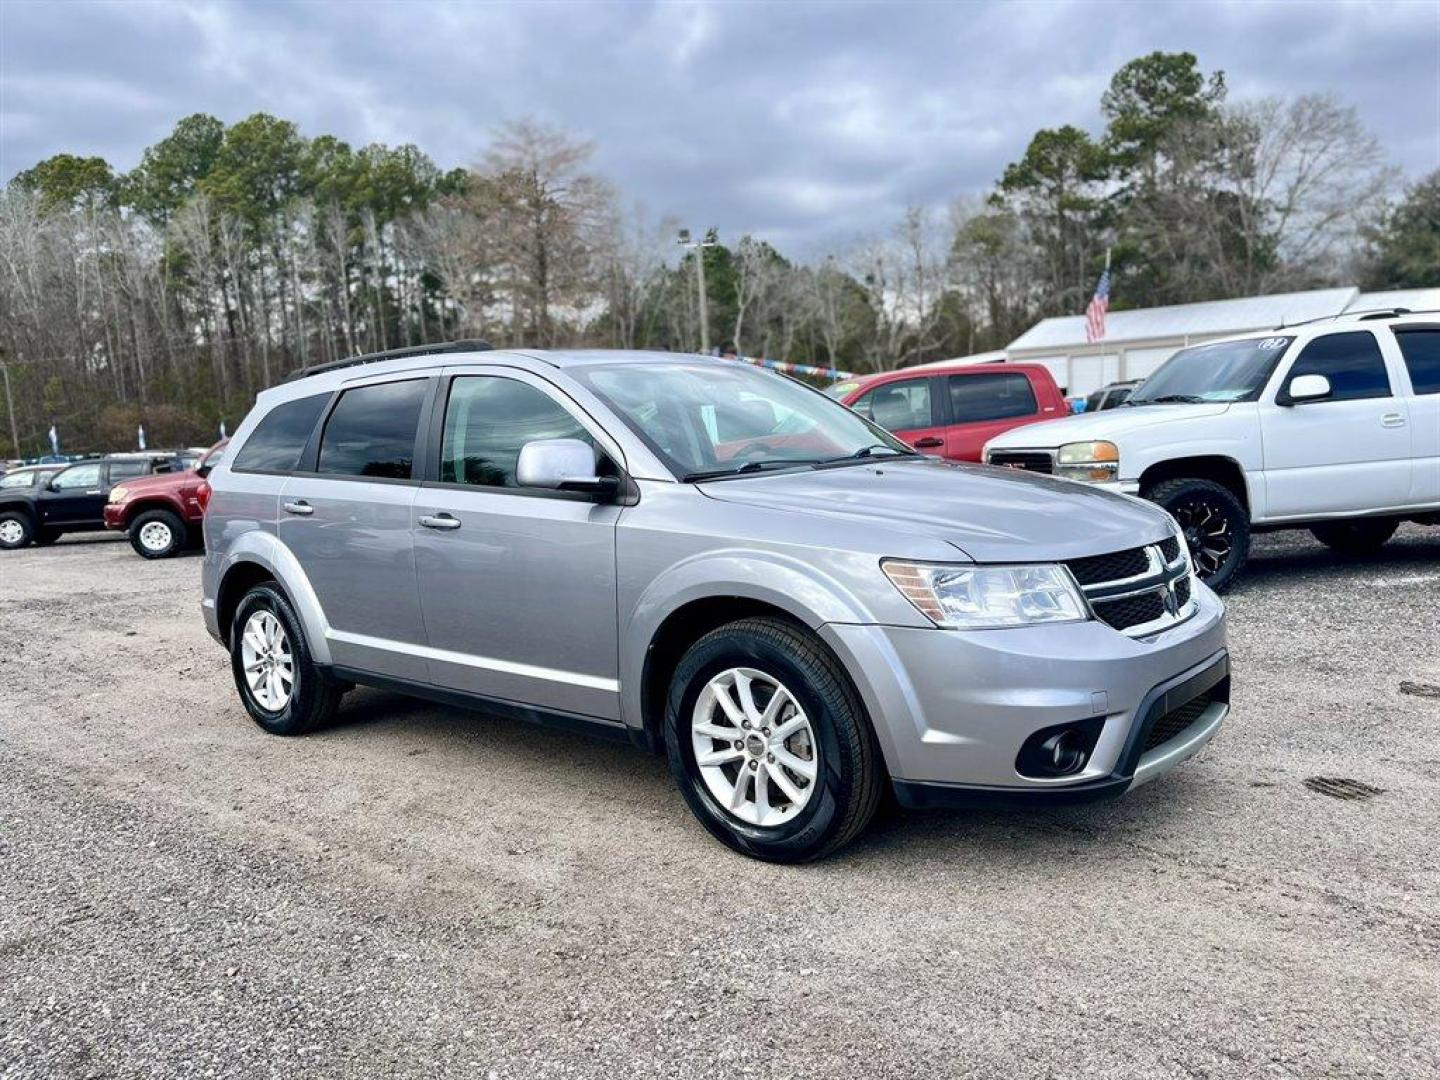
(425, 892)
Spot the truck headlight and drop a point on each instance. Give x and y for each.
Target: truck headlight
(988, 597)
(1093, 461)
(117, 495)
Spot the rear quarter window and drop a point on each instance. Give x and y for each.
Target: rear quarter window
(279, 439)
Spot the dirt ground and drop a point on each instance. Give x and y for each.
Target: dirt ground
(424, 892)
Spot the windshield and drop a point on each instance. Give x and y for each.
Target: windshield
(708, 420)
(1226, 371)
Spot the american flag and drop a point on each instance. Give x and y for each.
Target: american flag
(1099, 305)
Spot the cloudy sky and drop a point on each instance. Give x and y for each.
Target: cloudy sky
(805, 123)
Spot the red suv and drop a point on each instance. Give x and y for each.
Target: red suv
(162, 513)
(952, 411)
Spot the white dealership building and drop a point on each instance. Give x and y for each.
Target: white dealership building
(1137, 342)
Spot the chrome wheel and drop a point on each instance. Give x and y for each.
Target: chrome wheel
(268, 662)
(11, 531)
(156, 536)
(754, 747)
(1208, 534)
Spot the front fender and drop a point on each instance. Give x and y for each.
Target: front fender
(264, 549)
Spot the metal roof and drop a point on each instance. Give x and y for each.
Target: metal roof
(1211, 318)
(1411, 299)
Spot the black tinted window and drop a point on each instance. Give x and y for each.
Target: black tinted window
(1352, 362)
(997, 396)
(372, 431)
(124, 470)
(898, 406)
(1421, 349)
(278, 440)
(488, 419)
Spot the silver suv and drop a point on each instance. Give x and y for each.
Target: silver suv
(714, 561)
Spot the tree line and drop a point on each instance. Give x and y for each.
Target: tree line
(233, 254)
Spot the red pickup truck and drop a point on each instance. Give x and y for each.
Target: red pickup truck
(952, 410)
(162, 513)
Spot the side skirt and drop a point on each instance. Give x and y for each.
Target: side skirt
(609, 730)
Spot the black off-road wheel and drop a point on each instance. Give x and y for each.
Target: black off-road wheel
(770, 743)
(1360, 536)
(1215, 523)
(157, 534)
(16, 530)
(282, 689)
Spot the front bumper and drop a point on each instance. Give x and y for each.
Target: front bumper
(952, 709)
(114, 515)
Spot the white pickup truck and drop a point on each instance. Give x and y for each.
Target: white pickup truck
(1331, 426)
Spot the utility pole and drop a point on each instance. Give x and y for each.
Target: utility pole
(10, 405)
(699, 246)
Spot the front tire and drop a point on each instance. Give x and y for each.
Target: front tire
(282, 689)
(769, 743)
(157, 534)
(1215, 523)
(1361, 536)
(16, 530)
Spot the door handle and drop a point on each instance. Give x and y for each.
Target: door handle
(928, 442)
(1392, 419)
(97, 491)
(300, 506)
(440, 521)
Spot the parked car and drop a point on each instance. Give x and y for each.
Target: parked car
(1110, 396)
(711, 559)
(70, 499)
(162, 514)
(1332, 427)
(951, 411)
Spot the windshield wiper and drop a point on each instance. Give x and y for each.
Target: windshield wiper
(867, 452)
(759, 465)
(1168, 399)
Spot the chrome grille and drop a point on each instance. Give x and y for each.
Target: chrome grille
(1138, 591)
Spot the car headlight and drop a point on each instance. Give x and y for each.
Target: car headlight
(118, 494)
(1088, 461)
(988, 597)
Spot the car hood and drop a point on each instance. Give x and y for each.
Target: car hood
(989, 514)
(1110, 424)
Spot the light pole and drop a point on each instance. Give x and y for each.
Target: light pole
(10, 406)
(699, 246)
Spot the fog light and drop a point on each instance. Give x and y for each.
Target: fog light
(1062, 750)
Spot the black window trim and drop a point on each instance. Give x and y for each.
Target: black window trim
(629, 492)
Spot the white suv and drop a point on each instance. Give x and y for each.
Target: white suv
(1331, 426)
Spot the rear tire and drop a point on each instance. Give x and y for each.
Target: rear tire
(157, 534)
(16, 530)
(1215, 523)
(266, 632)
(821, 782)
(1362, 536)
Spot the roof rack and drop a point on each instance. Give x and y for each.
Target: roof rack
(468, 345)
(1359, 316)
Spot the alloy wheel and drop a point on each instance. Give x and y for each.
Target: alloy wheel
(269, 664)
(754, 747)
(1208, 534)
(155, 536)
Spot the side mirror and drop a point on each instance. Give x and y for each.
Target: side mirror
(202, 471)
(561, 465)
(51, 485)
(1306, 388)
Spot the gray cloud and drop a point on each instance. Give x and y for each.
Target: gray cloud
(805, 123)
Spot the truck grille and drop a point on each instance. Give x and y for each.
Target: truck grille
(1138, 591)
(1028, 460)
(1176, 722)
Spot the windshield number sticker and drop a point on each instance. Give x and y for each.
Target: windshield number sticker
(1272, 343)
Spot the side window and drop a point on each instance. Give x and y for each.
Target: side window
(18, 479)
(1421, 349)
(125, 470)
(898, 406)
(78, 476)
(372, 430)
(488, 419)
(1352, 362)
(279, 439)
(997, 396)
